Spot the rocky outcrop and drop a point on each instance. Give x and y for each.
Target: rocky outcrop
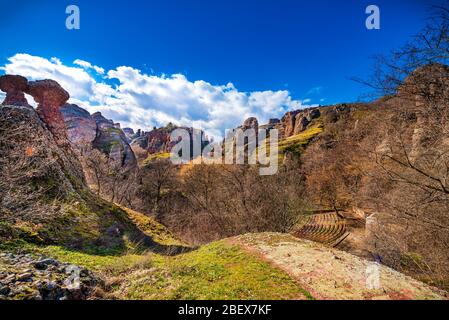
(14, 86)
(158, 141)
(50, 97)
(42, 169)
(81, 126)
(331, 274)
(301, 123)
(112, 140)
(295, 122)
(288, 122)
(272, 124)
(27, 278)
(251, 123)
(427, 82)
(129, 133)
(87, 131)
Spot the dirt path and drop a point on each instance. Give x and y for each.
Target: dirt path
(332, 274)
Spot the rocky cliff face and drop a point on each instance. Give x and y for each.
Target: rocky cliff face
(130, 134)
(251, 123)
(68, 122)
(81, 126)
(112, 140)
(295, 122)
(38, 175)
(158, 141)
(155, 141)
(44, 197)
(86, 131)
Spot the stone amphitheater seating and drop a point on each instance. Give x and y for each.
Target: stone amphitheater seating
(326, 228)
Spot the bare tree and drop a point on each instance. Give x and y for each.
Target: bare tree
(110, 178)
(412, 159)
(157, 180)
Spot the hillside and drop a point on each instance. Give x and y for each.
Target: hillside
(258, 266)
(334, 187)
(124, 254)
(44, 196)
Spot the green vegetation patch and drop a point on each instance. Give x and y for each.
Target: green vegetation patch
(152, 228)
(113, 131)
(157, 156)
(298, 142)
(216, 271)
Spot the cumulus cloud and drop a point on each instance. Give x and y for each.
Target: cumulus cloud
(88, 65)
(75, 80)
(138, 100)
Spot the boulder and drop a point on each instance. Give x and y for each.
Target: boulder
(14, 86)
(295, 122)
(50, 97)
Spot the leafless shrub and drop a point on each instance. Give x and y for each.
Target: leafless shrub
(109, 178)
(220, 201)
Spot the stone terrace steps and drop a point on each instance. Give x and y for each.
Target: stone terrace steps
(326, 228)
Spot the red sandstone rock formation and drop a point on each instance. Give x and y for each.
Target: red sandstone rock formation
(295, 122)
(251, 123)
(14, 86)
(50, 97)
(288, 122)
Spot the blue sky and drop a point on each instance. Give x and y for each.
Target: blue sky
(309, 49)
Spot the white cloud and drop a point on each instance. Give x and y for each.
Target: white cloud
(75, 80)
(143, 101)
(88, 65)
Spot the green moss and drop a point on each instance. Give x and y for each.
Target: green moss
(102, 261)
(109, 146)
(216, 271)
(414, 261)
(152, 228)
(15, 233)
